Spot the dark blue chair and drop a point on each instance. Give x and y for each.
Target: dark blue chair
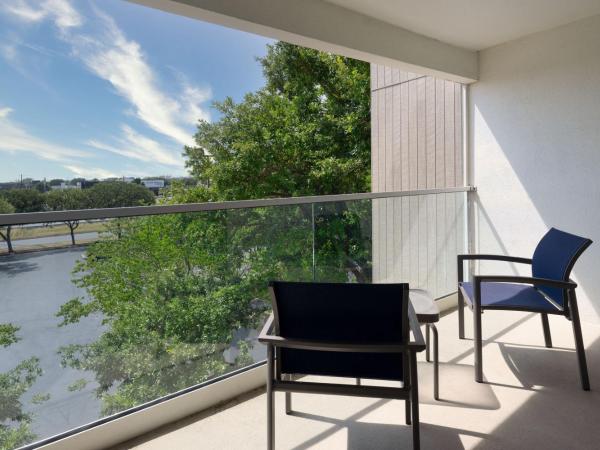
(342, 330)
(548, 291)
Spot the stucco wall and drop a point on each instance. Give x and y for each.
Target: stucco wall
(534, 131)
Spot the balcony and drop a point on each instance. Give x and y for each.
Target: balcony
(502, 97)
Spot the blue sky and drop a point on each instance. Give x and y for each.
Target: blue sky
(110, 88)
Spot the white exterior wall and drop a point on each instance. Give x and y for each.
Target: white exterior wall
(534, 135)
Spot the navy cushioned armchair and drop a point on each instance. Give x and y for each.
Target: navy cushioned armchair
(548, 291)
(342, 330)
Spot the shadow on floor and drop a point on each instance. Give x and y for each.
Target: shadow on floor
(367, 435)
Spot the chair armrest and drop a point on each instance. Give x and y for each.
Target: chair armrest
(460, 259)
(337, 346)
(415, 328)
(516, 259)
(417, 345)
(478, 279)
(267, 327)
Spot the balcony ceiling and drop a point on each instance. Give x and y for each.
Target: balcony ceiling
(474, 24)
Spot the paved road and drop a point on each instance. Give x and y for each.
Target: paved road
(32, 288)
(66, 239)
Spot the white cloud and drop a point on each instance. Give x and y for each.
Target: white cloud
(121, 62)
(4, 112)
(137, 146)
(90, 172)
(60, 12)
(15, 138)
(106, 52)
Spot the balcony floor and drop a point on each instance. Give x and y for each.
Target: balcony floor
(532, 399)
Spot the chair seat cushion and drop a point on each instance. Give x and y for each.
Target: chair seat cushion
(379, 366)
(512, 296)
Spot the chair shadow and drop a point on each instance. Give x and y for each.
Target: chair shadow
(367, 435)
(466, 394)
(559, 414)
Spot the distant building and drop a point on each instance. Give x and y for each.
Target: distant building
(154, 185)
(62, 186)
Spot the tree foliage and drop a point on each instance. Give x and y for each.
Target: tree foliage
(116, 194)
(174, 290)
(307, 132)
(24, 200)
(14, 422)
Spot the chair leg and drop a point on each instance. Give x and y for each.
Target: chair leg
(358, 381)
(583, 371)
(288, 398)
(478, 345)
(407, 411)
(270, 401)
(427, 343)
(436, 364)
(546, 327)
(461, 315)
(414, 393)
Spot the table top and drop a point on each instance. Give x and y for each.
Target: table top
(424, 305)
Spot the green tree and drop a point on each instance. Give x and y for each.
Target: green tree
(116, 194)
(307, 132)
(68, 199)
(14, 422)
(173, 289)
(24, 200)
(6, 208)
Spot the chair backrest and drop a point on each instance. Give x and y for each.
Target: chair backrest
(343, 312)
(347, 312)
(554, 258)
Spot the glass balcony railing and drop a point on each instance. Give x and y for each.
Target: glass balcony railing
(153, 300)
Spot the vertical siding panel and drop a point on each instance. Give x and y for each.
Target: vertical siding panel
(388, 76)
(422, 206)
(430, 130)
(421, 135)
(397, 239)
(449, 133)
(414, 240)
(440, 243)
(380, 76)
(431, 243)
(412, 135)
(376, 240)
(381, 135)
(383, 238)
(395, 76)
(389, 165)
(396, 145)
(374, 140)
(389, 222)
(405, 238)
(404, 135)
(458, 135)
(440, 171)
(373, 77)
(451, 223)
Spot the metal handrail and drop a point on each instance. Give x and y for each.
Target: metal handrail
(134, 211)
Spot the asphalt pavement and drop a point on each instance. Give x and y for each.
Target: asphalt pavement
(32, 288)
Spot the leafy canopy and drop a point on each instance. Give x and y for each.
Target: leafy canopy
(307, 132)
(175, 291)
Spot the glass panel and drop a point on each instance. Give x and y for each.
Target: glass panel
(143, 307)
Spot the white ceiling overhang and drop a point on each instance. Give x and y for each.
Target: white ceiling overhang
(434, 37)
